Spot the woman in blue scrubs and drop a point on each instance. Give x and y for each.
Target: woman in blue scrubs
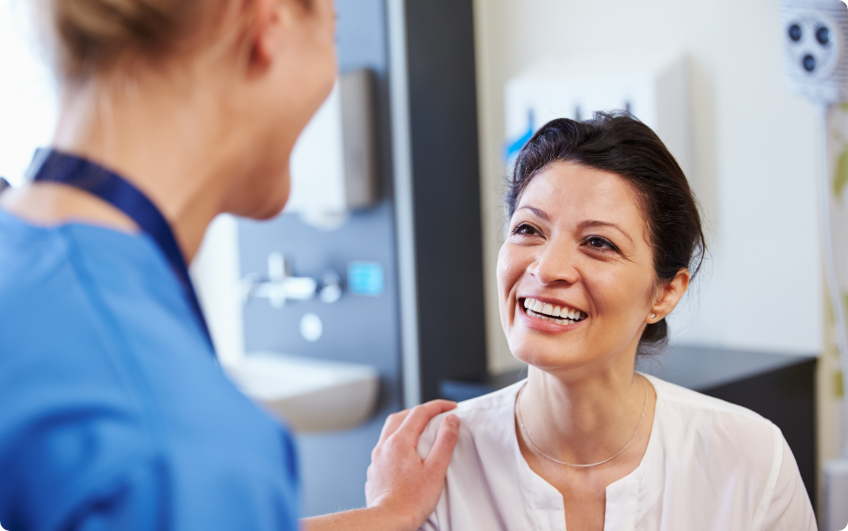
(113, 411)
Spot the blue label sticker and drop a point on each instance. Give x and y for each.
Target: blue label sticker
(366, 278)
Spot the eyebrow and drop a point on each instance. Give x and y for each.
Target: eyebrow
(539, 213)
(589, 223)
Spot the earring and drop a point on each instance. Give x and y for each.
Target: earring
(653, 315)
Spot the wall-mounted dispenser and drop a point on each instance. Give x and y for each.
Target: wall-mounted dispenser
(333, 164)
(651, 85)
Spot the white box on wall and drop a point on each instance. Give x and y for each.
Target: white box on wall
(651, 85)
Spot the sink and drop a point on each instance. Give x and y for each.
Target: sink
(308, 394)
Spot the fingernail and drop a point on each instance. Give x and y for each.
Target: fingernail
(453, 421)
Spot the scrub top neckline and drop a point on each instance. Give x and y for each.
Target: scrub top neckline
(621, 495)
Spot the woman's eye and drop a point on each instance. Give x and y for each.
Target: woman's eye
(596, 242)
(525, 230)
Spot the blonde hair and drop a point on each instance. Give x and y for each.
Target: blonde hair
(96, 36)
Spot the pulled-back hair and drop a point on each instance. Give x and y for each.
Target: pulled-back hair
(88, 37)
(94, 36)
(620, 144)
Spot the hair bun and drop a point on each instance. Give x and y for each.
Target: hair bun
(94, 36)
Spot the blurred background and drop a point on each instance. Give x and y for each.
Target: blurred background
(375, 289)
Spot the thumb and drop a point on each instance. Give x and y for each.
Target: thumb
(440, 454)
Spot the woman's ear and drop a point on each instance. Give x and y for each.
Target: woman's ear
(669, 295)
(270, 23)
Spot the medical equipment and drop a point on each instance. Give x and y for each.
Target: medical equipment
(816, 66)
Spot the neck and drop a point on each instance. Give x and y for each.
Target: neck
(170, 144)
(583, 419)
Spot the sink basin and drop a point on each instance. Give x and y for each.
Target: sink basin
(308, 394)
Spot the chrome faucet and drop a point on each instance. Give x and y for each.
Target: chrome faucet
(281, 286)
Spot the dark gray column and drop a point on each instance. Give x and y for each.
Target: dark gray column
(445, 172)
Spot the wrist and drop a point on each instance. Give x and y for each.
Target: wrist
(395, 519)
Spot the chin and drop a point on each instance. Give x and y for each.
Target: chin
(271, 208)
(267, 199)
(550, 357)
(263, 207)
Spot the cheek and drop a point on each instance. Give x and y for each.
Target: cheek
(512, 263)
(620, 295)
(504, 272)
(326, 34)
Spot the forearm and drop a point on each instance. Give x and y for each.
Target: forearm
(371, 519)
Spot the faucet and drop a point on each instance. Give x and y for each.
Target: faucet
(281, 286)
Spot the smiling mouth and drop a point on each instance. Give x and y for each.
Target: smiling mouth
(555, 314)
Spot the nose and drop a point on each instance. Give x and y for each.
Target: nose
(555, 263)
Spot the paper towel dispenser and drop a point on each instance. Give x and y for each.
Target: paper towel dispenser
(333, 164)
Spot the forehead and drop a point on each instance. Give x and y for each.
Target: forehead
(569, 192)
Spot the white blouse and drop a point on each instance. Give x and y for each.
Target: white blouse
(709, 465)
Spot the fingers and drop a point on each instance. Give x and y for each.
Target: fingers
(414, 424)
(440, 454)
(393, 422)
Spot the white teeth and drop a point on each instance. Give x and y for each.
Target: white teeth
(549, 312)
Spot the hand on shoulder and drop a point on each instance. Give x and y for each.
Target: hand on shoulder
(399, 480)
(402, 488)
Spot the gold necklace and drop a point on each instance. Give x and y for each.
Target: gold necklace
(530, 440)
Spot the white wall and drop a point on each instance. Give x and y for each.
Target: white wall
(215, 273)
(27, 102)
(754, 155)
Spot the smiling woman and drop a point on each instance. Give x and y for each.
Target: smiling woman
(628, 149)
(604, 238)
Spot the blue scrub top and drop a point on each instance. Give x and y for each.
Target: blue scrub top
(113, 411)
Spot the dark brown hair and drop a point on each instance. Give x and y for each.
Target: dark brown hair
(619, 143)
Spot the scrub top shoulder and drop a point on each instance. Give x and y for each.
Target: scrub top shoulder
(709, 466)
(115, 414)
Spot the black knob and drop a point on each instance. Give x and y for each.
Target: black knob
(795, 32)
(823, 35)
(809, 63)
